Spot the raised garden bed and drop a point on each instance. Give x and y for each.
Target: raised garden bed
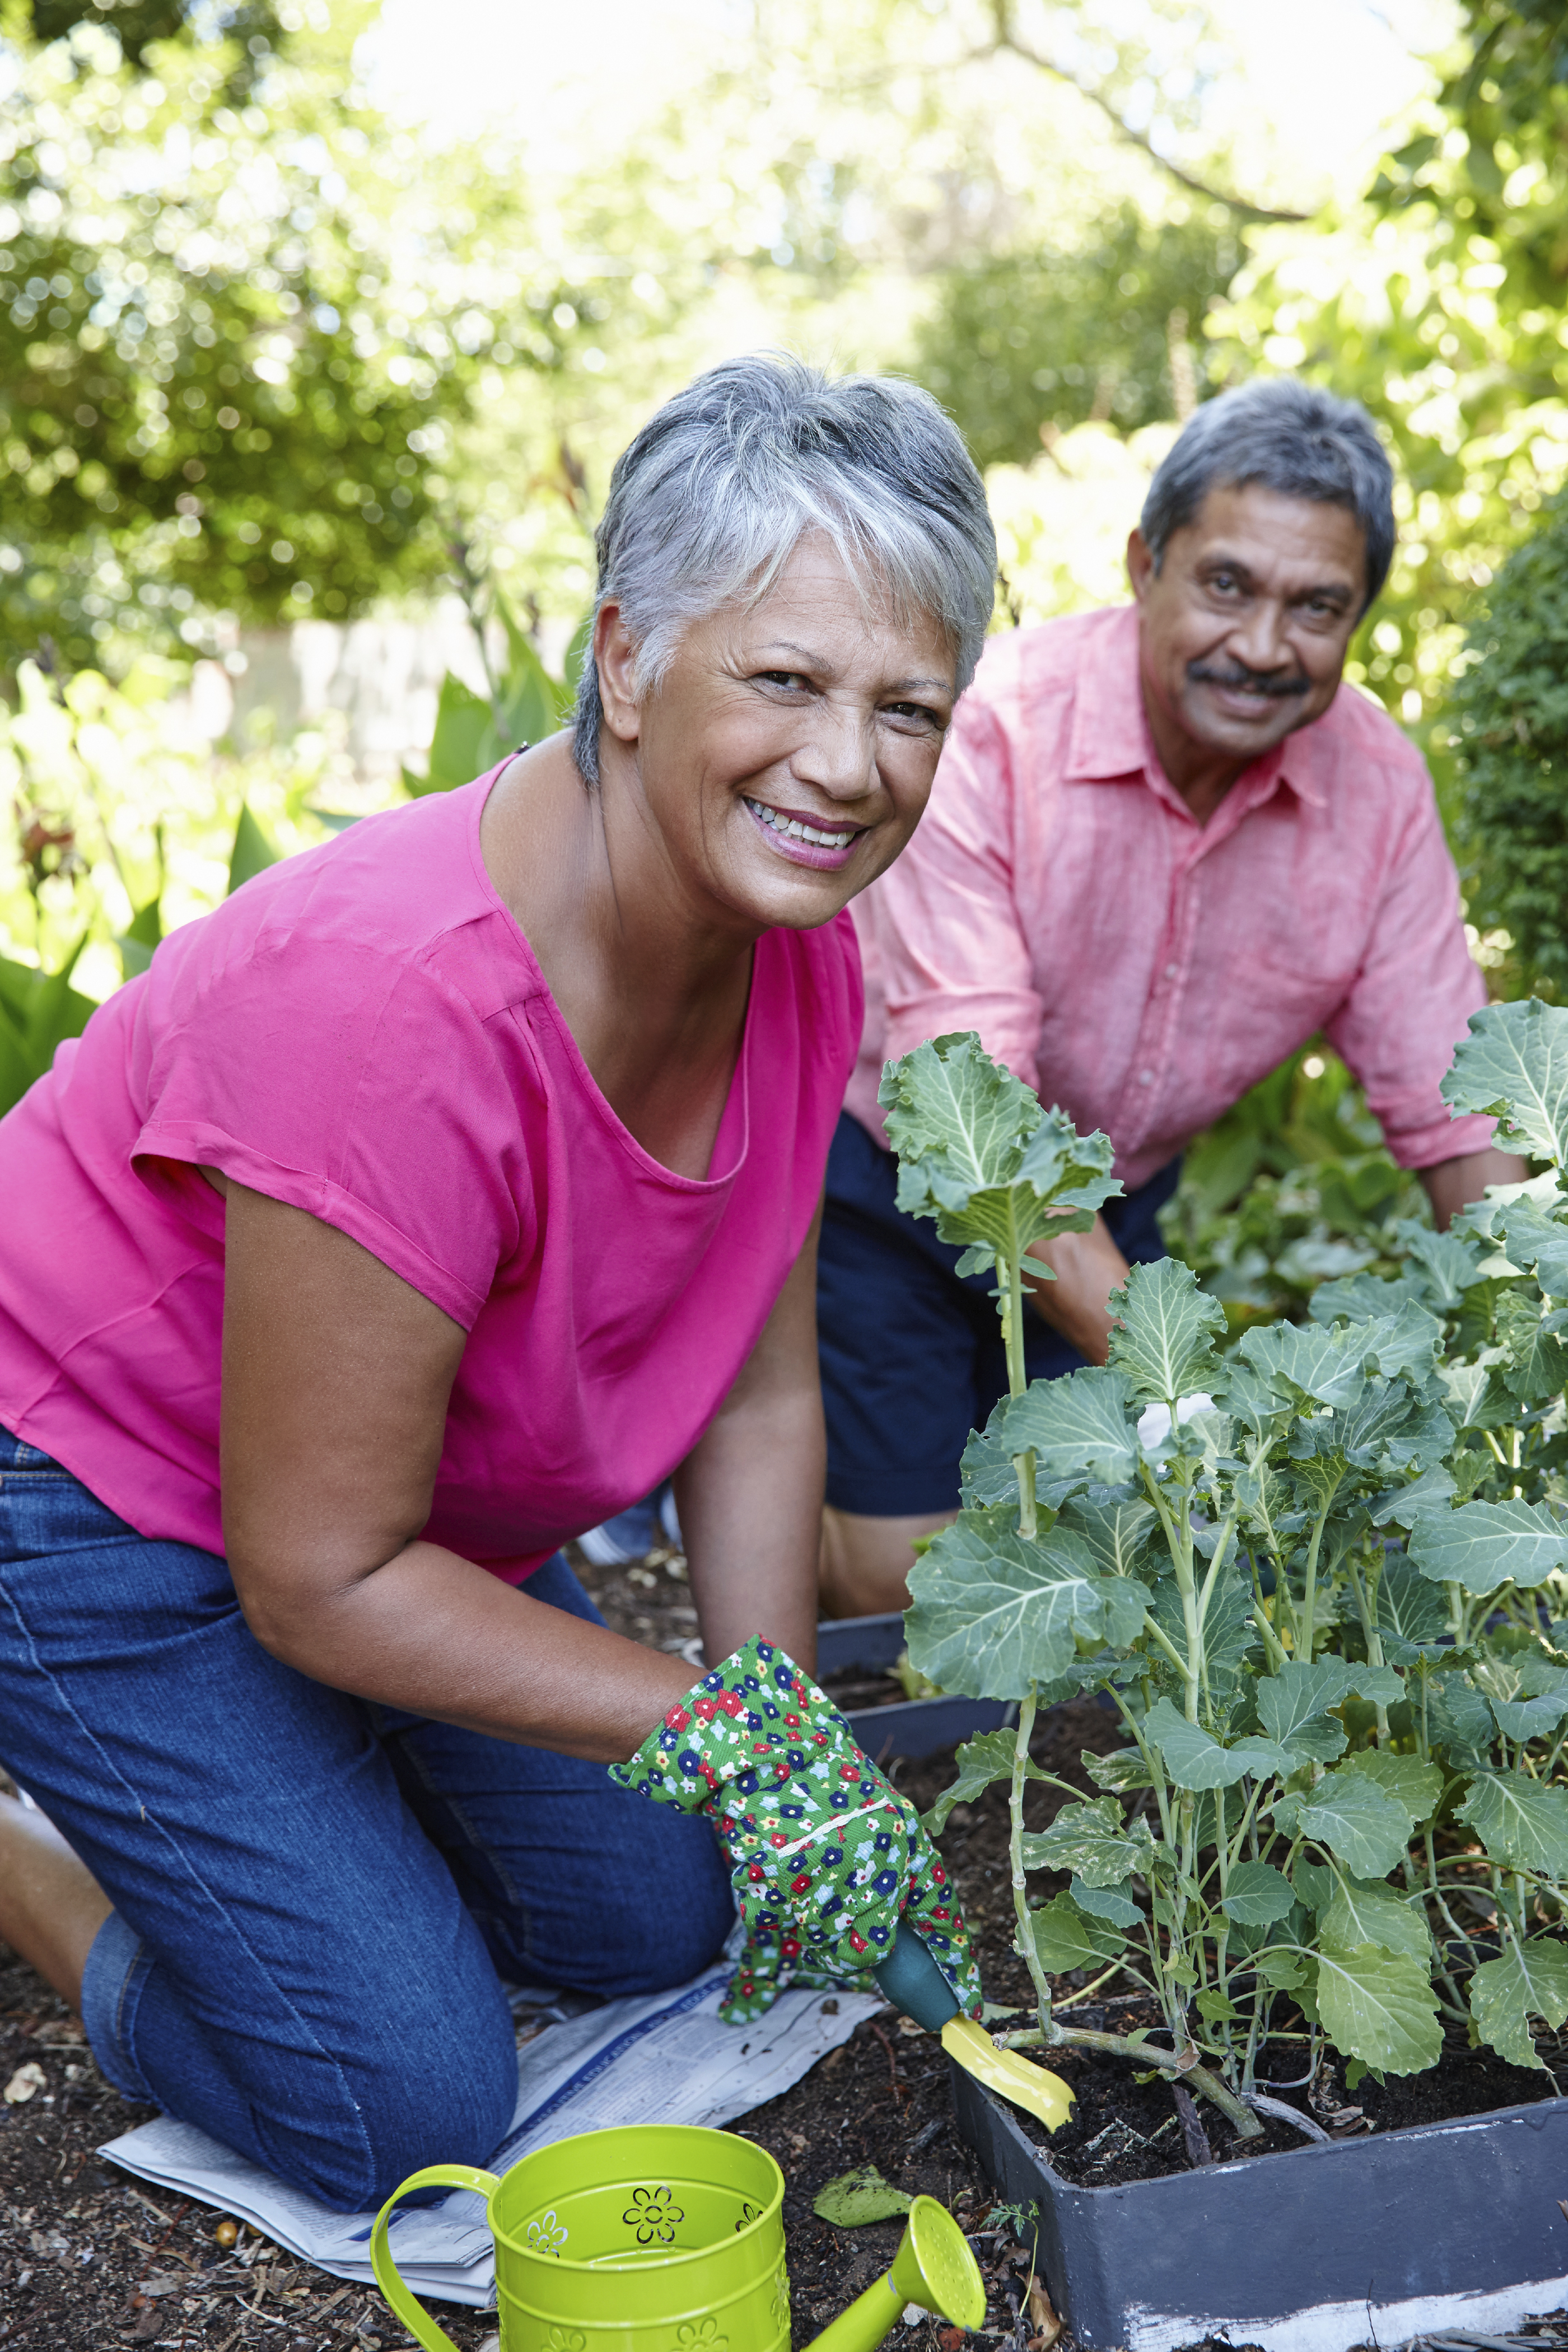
(1438, 2227)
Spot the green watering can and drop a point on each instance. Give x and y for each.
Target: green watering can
(668, 2238)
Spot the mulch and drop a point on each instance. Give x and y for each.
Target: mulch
(89, 2259)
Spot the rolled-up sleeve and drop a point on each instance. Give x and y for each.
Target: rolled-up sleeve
(952, 946)
(1410, 1001)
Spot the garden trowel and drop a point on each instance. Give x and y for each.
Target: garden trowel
(913, 1983)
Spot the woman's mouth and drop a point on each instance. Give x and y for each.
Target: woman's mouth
(802, 838)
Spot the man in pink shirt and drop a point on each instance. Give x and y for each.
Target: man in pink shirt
(1163, 850)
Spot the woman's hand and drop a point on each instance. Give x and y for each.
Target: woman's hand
(827, 1859)
(336, 1376)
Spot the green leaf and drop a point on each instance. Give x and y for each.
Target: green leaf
(1104, 1903)
(1257, 1894)
(1194, 1760)
(464, 742)
(253, 851)
(1484, 1545)
(1079, 1427)
(1091, 1840)
(1449, 1264)
(993, 1613)
(1379, 2007)
(1514, 1063)
(1165, 1338)
(1284, 1971)
(1537, 1357)
(1123, 1771)
(1293, 1705)
(1228, 1630)
(1527, 1694)
(976, 1153)
(1402, 1505)
(1539, 1243)
(986, 1758)
(1413, 1784)
(1117, 1532)
(1215, 2006)
(1520, 1824)
(1373, 1915)
(856, 2198)
(1528, 1980)
(1476, 1397)
(1361, 1823)
(1064, 1939)
(1303, 1359)
(1459, 1719)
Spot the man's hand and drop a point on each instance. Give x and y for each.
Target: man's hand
(1453, 1184)
(1087, 1268)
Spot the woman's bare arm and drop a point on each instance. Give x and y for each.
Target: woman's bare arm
(336, 1376)
(749, 1493)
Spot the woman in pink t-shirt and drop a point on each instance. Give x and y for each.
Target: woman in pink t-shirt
(419, 1209)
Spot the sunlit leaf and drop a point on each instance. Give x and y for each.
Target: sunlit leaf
(1064, 1939)
(1379, 2006)
(1358, 1914)
(1521, 1823)
(1484, 1545)
(1362, 1825)
(986, 1758)
(1414, 1785)
(1514, 1063)
(1092, 1841)
(994, 1612)
(1257, 1894)
(1164, 1341)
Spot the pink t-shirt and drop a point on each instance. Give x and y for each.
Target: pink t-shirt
(364, 1031)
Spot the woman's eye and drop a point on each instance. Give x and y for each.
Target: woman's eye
(787, 677)
(913, 713)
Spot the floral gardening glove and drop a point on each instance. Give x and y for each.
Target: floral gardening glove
(825, 1856)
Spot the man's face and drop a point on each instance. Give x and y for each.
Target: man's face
(1243, 628)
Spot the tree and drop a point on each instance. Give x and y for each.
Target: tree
(236, 341)
(1023, 346)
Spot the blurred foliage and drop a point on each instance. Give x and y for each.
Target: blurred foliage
(237, 338)
(1291, 1188)
(254, 26)
(1509, 719)
(1440, 303)
(522, 702)
(1021, 347)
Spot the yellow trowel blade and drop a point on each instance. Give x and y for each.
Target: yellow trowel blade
(1003, 2071)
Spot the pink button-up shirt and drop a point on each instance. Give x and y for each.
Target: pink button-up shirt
(1140, 969)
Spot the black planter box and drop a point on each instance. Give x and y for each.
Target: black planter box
(912, 1727)
(1438, 2227)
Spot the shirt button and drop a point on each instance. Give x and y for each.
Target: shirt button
(1145, 1077)
(1171, 971)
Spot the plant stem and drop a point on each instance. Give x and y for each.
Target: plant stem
(1187, 2069)
(1027, 1950)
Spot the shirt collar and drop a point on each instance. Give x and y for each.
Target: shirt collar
(1110, 736)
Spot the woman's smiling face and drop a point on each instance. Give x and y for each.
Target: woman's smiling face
(788, 753)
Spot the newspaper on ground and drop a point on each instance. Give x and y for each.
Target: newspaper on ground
(666, 2058)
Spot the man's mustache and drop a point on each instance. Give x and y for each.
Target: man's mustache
(1242, 680)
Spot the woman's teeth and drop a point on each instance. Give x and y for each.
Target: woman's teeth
(798, 832)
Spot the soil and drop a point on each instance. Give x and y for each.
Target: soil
(90, 2260)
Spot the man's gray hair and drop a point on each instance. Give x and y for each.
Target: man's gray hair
(708, 503)
(1291, 438)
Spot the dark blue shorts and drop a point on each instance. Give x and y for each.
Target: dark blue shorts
(911, 1352)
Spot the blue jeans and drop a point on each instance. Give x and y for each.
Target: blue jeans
(315, 1898)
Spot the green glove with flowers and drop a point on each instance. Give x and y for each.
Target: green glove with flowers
(826, 1857)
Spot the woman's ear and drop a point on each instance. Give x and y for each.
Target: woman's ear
(616, 659)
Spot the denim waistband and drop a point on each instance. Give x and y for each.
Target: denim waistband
(15, 1454)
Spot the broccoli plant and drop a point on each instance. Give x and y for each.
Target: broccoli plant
(1318, 1581)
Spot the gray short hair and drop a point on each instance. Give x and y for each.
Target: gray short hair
(707, 505)
(1291, 438)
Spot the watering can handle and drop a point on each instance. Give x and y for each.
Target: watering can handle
(409, 2309)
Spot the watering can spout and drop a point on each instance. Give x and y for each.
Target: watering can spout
(932, 2268)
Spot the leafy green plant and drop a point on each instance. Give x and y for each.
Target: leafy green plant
(1318, 1579)
(1291, 1188)
(1508, 720)
(522, 703)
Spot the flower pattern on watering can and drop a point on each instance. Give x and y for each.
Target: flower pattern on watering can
(781, 2297)
(749, 2213)
(568, 2339)
(547, 2235)
(702, 2335)
(653, 2214)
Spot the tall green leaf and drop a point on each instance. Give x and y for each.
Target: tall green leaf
(1484, 1545)
(1164, 1339)
(254, 850)
(993, 1613)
